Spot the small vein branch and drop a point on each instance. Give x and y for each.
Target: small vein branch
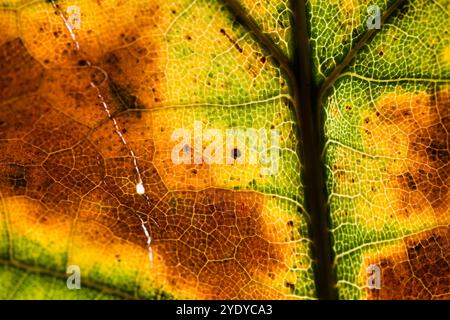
(352, 53)
(263, 39)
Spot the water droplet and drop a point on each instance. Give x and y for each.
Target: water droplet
(140, 188)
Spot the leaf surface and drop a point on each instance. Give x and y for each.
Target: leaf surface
(387, 159)
(87, 115)
(90, 118)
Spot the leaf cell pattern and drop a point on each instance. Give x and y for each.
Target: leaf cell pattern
(86, 170)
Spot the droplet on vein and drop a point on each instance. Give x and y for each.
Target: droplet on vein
(140, 188)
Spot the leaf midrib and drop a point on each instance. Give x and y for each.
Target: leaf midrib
(307, 108)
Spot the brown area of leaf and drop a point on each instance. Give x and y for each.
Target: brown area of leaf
(421, 270)
(134, 74)
(14, 59)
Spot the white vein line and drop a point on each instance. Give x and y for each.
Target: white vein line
(352, 149)
(118, 131)
(139, 186)
(149, 241)
(386, 241)
(356, 75)
(66, 22)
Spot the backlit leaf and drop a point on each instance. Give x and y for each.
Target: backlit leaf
(107, 118)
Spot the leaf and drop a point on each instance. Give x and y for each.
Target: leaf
(70, 172)
(90, 117)
(387, 156)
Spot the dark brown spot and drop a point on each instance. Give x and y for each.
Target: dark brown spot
(408, 179)
(235, 153)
